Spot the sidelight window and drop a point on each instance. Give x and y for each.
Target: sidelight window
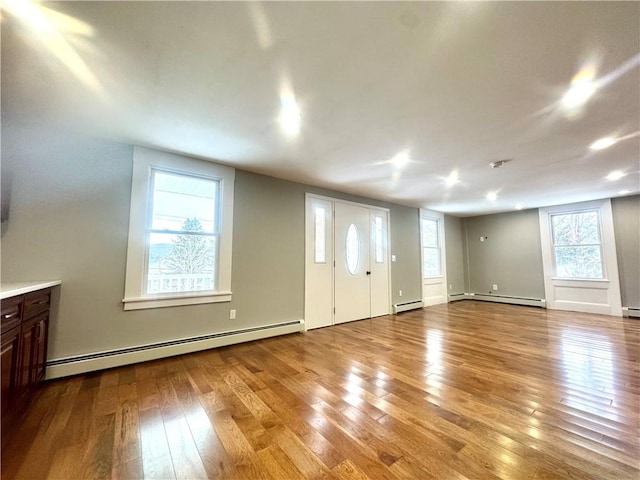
(320, 234)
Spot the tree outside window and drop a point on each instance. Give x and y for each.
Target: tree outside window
(577, 245)
(182, 255)
(190, 254)
(430, 248)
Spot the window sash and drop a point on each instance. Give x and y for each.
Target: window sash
(431, 249)
(184, 282)
(436, 236)
(178, 173)
(567, 214)
(558, 247)
(435, 269)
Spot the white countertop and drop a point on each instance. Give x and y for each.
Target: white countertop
(20, 288)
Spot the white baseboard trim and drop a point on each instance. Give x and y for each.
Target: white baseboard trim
(64, 367)
(632, 312)
(487, 297)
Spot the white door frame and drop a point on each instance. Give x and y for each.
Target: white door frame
(319, 284)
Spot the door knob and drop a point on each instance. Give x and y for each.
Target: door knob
(368, 272)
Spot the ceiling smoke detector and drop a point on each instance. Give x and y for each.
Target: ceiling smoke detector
(498, 163)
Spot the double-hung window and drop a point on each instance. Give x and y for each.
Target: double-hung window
(577, 245)
(180, 231)
(579, 257)
(431, 257)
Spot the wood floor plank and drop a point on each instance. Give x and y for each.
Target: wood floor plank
(66, 463)
(217, 463)
(126, 447)
(346, 470)
(277, 462)
(187, 463)
(468, 390)
(156, 456)
(97, 461)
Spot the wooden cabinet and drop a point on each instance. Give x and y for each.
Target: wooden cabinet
(9, 352)
(25, 326)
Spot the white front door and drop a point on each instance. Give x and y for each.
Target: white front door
(352, 293)
(347, 273)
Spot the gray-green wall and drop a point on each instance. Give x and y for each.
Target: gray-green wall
(626, 223)
(510, 257)
(454, 247)
(69, 209)
(69, 214)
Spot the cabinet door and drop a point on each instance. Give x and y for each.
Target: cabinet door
(9, 352)
(28, 356)
(41, 356)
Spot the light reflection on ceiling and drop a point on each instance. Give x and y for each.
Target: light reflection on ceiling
(302, 92)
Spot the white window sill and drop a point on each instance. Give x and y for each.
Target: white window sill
(160, 301)
(580, 282)
(432, 280)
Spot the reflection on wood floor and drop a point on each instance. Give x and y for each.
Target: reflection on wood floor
(466, 390)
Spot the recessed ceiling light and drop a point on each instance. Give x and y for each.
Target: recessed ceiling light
(492, 196)
(518, 206)
(615, 175)
(401, 159)
(578, 95)
(290, 116)
(603, 143)
(582, 88)
(452, 179)
(624, 192)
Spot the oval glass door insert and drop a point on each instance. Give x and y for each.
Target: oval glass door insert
(352, 248)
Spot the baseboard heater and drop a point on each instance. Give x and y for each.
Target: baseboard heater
(405, 306)
(631, 312)
(454, 297)
(526, 301)
(64, 367)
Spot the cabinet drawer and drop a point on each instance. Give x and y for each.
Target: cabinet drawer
(36, 302)
(11, 313)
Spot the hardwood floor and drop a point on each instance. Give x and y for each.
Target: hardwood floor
(466, 390)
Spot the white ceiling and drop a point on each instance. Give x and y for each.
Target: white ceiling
(457, 85)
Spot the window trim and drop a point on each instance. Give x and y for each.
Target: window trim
(592, 295)
(144, 160)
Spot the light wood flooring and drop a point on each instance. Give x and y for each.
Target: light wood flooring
(466, 390)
